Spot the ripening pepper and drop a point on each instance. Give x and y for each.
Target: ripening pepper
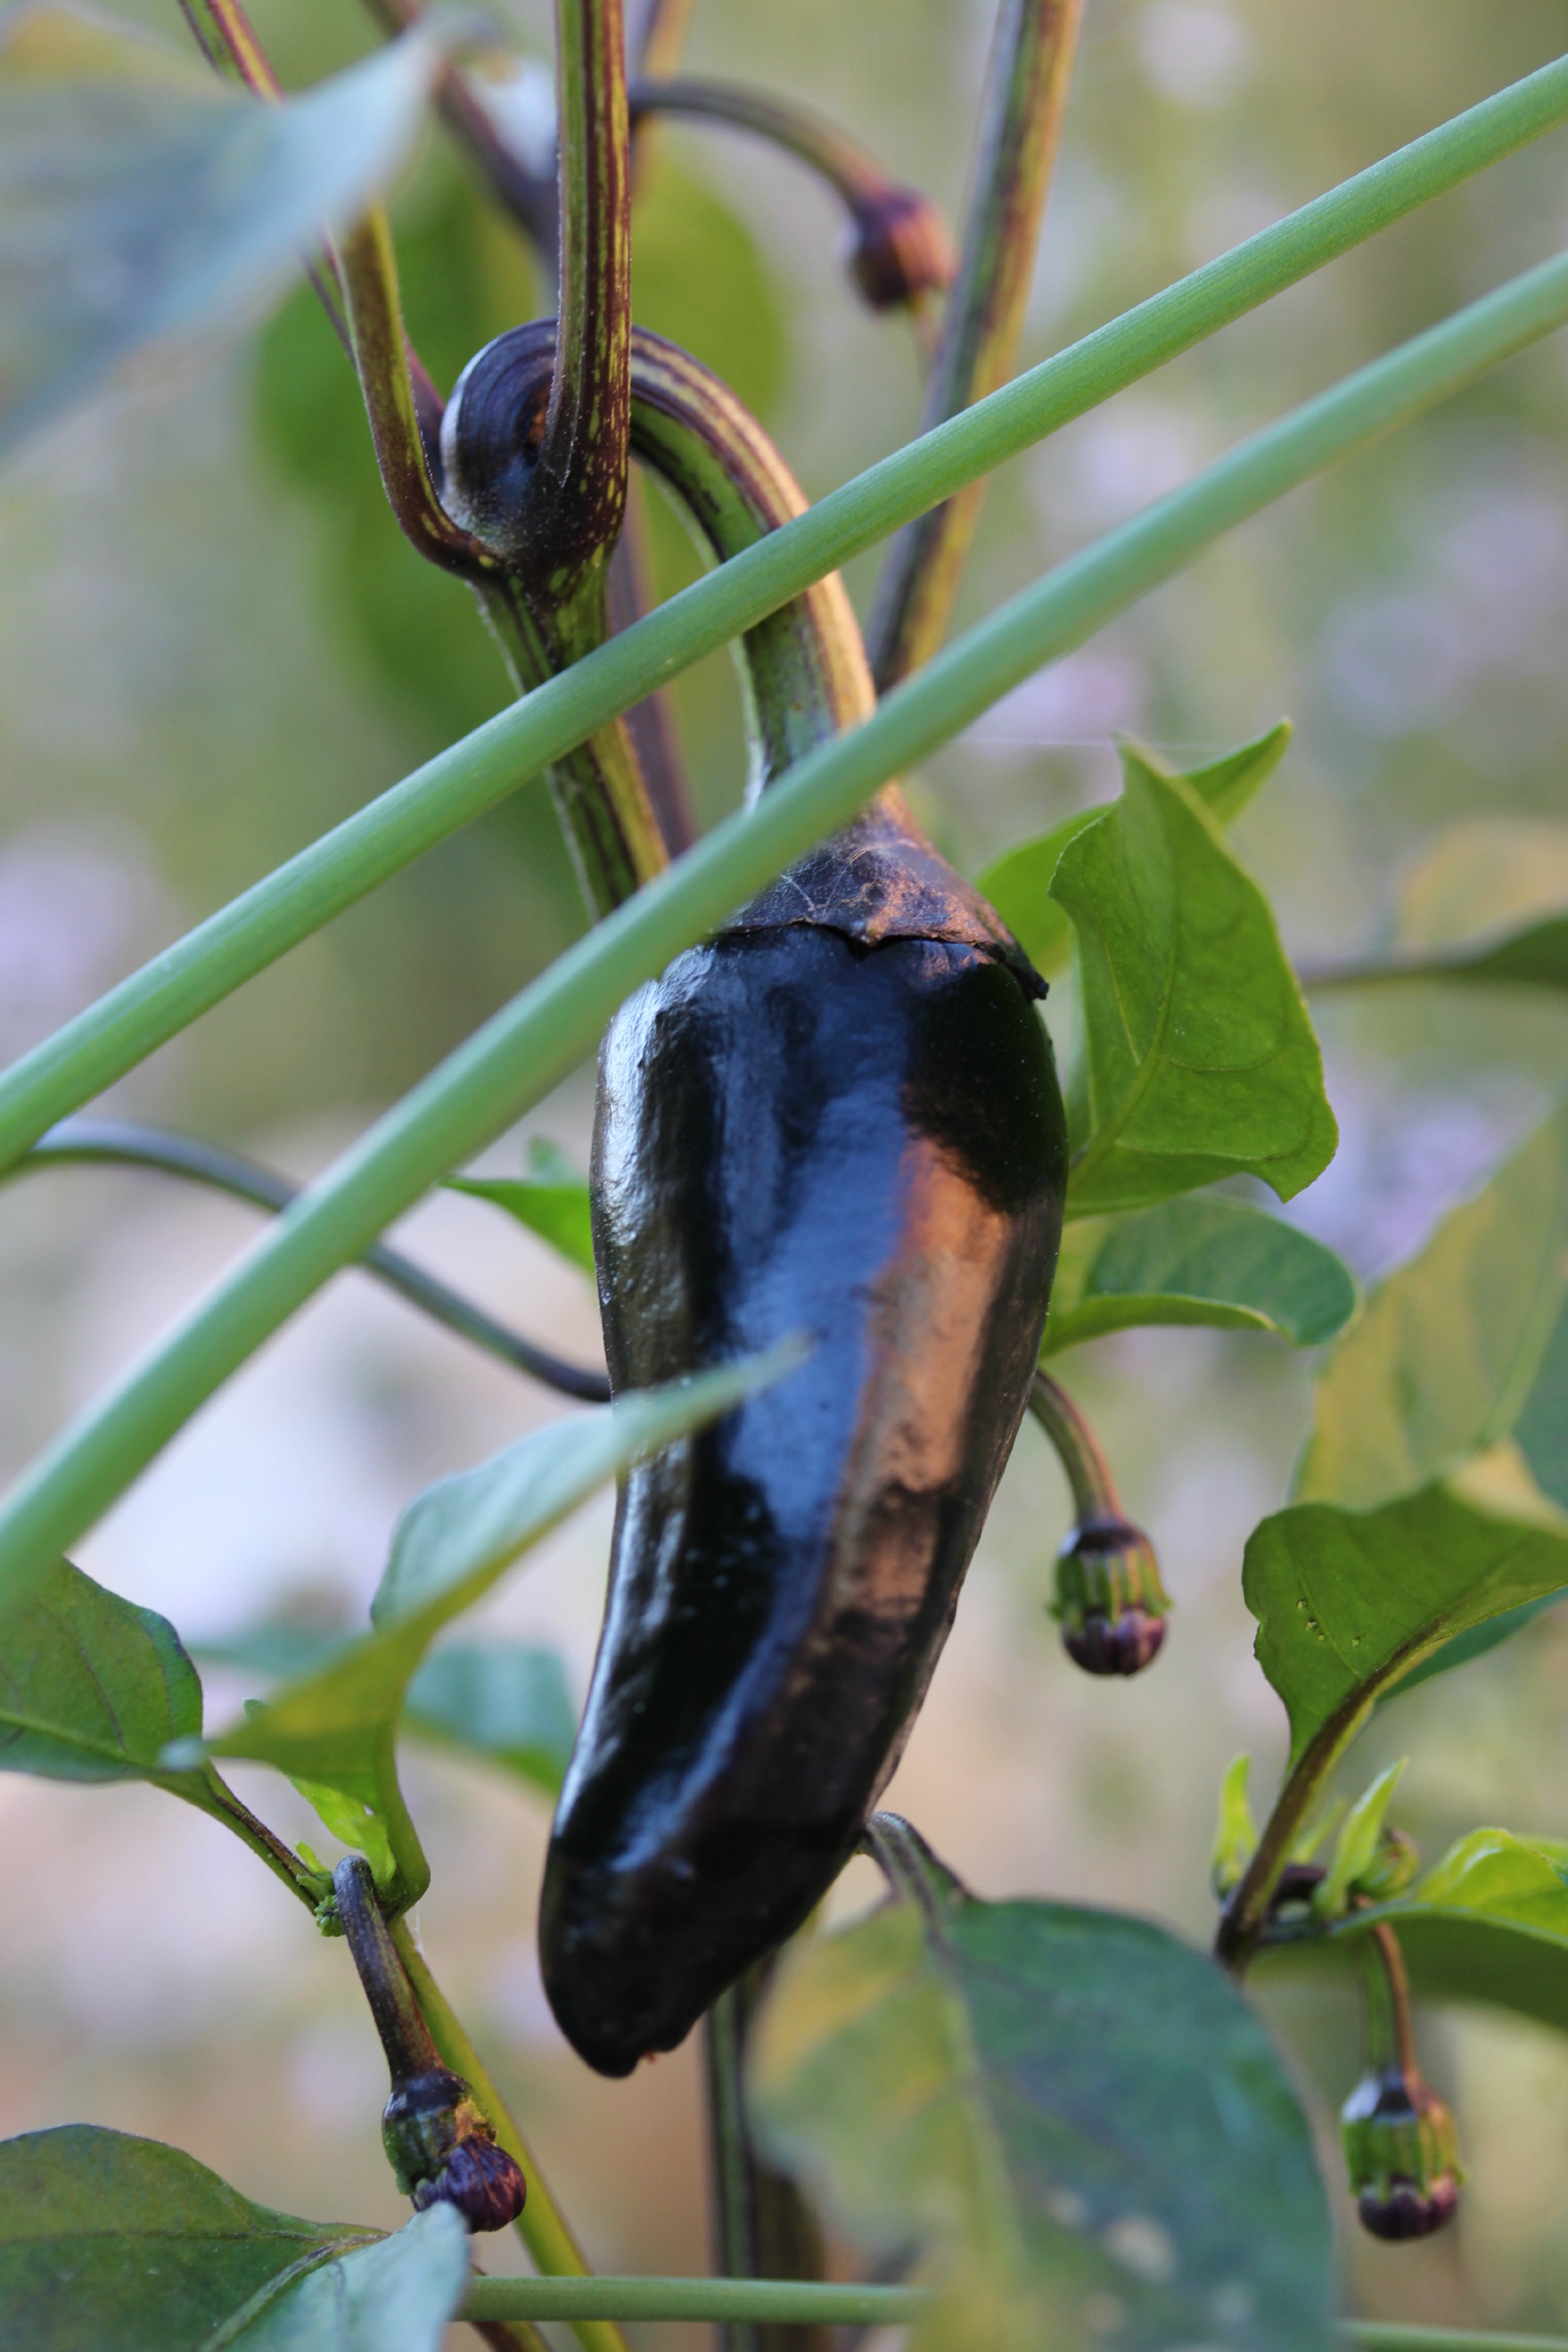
(839, 1116)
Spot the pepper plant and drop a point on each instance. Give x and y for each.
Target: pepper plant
(1027, 2122)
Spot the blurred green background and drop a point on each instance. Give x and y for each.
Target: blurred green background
(213, 644)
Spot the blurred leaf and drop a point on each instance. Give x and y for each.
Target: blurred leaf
(140, 209)
(699, 278)
(114, 2244)
(1018, 883)
(1199, 1060)
(395, 2297)
(552, 1202)
(1348, 1602)
(451, 1545)
(506, 1703)
(1485, 875)
(1205, 1261)
(1357, 1843)
(1535, 957)
(92, 1687)
(464, 280)
(1062, 2107)
(1446, 1357)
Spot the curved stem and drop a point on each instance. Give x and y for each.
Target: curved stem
(405, 2038)
(90, 1142)
(541, 2225)
(243, 939)
(902, 251)
(1094, 1495)
(532, 1042)
(212, 1795)
(1026, 86)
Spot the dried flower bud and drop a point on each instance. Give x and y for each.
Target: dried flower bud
(899, 247)
(443, 2152)
(1109, 1601)
(1402, 2152)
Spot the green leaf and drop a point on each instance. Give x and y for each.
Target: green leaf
(114, 2244)
(506, 1703)
(1347, 1603)
(1061, 2107)
(1199, 1060)
(141, 206)
(395, 2297)
(700, 279)
(1203, 1261)
(1018, 883)
(1534, 957)
(1235, 1831)
(1357, 1843)
(92, 1687)
(335, 1726)
(1489, 1923)
(552, 1203)
(1444, 1358)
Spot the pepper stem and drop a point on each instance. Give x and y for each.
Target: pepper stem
(1094, 1495)
(404, 2036)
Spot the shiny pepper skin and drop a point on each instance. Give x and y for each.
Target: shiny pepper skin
(839, 1117)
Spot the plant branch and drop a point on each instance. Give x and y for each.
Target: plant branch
(101, 1043)
(121, 1143)
(763, 2225)
(1026, 86)
(795, 2301)
(1079, 1451)
(534, 1042)
(541, 2225)
(214, 1798)
(899, 253)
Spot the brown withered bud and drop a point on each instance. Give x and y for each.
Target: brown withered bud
(443, 2152)
(1110, 1603)
(898, 249)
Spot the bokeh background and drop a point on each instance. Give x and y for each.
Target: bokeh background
(213, 645)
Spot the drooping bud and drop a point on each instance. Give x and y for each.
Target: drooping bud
(898, 249)
(443, 2152)
(1109, 1598)
(1402, 2153)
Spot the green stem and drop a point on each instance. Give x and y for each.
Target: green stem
(290, 905)
(794, 2302)
(763, 2225)
(1078, 1449)
(533, 1042)
(1026, 86)
(90, 1142)
(213, 1796)
(541, 2225)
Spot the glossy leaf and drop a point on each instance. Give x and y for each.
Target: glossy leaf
(1348, 1602)
(140, 206)
(92, 1687)
(1201, 1261)
(1197, 1058)
(1018, 883)
(395, 2297)
(1065, 2109)
(114, 2244)
(1444, 1358)
(334, 1726)
(552, 1201)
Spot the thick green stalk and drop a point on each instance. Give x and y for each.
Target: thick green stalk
(799, 2301)
(532, 1044)
(297, 901)
(541, 2225)
(1025, 97)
